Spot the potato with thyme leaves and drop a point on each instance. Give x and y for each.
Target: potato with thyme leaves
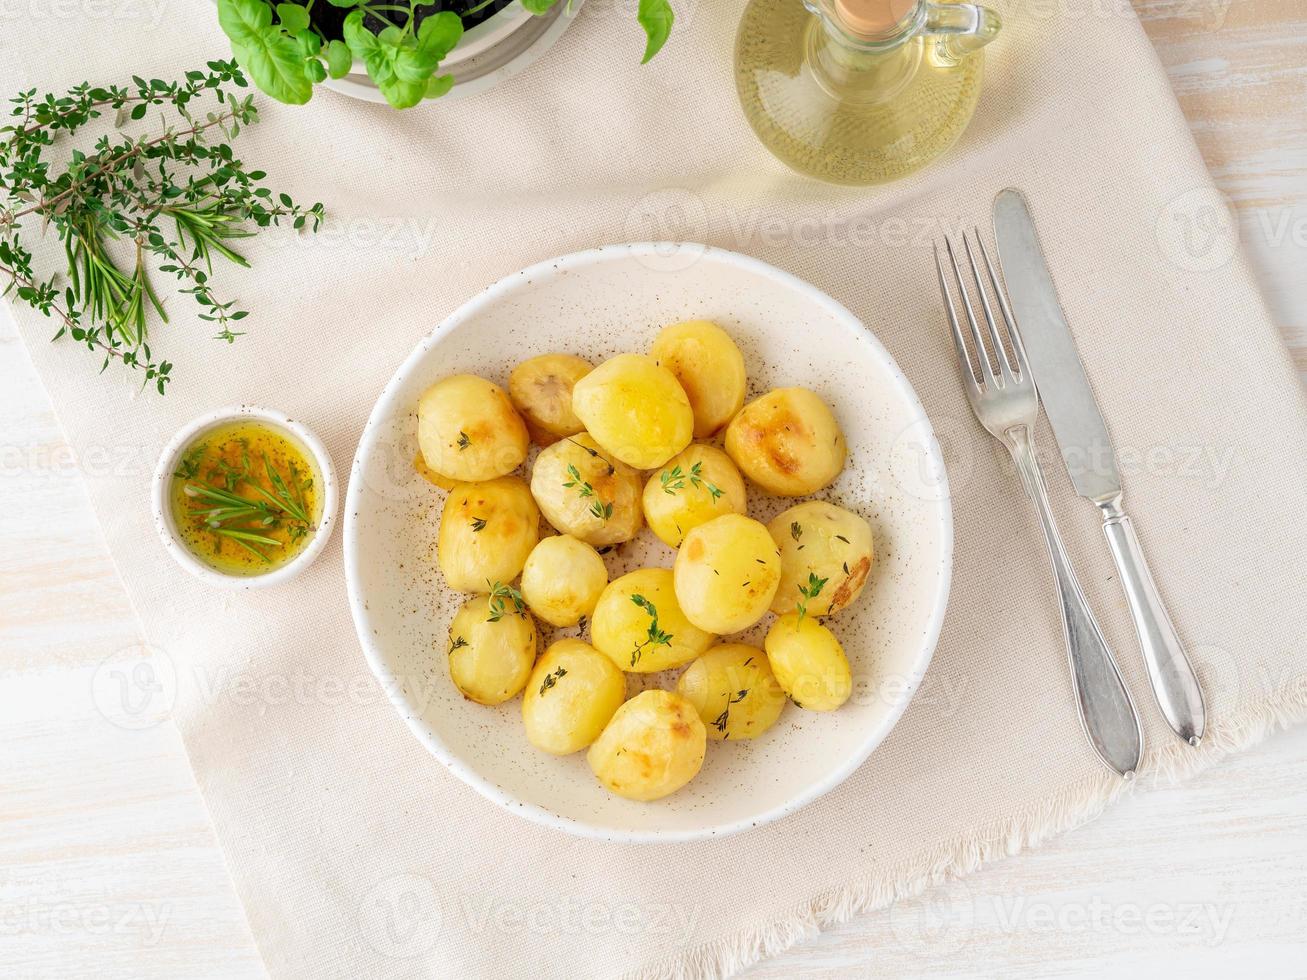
(584, 492)
(653, 746)
(788, 442)
(726, 573)
(639, 624)
(808, 662)
(734, 690)
(709, 366)
(541, 390)
(492, 646)
(636, 410)
(468, 429)
(563, 580)
(572, 694)
(692, 488)
(820, 542)
(487, 530)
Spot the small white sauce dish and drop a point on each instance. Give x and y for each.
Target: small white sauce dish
(324, 474)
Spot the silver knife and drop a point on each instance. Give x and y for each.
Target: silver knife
(1087, 451)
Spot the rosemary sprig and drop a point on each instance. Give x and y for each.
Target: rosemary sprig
(240, 519)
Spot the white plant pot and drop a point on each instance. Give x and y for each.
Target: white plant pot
(499, 47)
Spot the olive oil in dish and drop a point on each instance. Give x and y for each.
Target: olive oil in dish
(860, 91)
(245, 498)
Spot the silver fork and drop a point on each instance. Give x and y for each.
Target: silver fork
(1007, 405)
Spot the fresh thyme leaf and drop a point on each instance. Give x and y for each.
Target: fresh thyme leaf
(841, 537)
(654, 635)
(722, 720)
(809, 592)
(598, 507)
(458, 643)
(796, 530)
(498, 593)
(552, 678)
(674, 479)
(463, 440)
(478, 524)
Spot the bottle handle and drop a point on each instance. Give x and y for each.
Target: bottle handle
(961, 27)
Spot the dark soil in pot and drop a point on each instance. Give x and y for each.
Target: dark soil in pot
(330, 20)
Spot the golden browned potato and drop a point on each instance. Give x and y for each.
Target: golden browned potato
(468, 429)
(826, 553)
(492, 645)
(733, 690)
(636, 410)
(430, 475)
(692, 487)
(787, 442)
(726, 573)
(654, 745)
(638, 623)
(541, 390)
(709, 367)
(809, 663)
(563, 579)
(486, 532)
(586, 493)
(573, 692)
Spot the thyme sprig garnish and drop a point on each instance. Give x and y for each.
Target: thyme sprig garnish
(674, 479)
(654, 636)
(499, 592)
(722, 720)
(240, 519)
(552, 678)
(478, 524)
(598, 507)
(177, 197)
(809, 592)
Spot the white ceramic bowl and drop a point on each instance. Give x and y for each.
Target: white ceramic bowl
(324, 475)
(596, 304)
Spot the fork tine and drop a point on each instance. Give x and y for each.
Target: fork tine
(1013, 330)
(1000, 352)
(959, 342)
(986, 370)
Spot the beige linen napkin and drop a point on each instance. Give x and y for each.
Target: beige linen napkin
(355, 852)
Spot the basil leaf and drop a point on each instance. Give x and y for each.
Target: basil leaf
(379, 58)
(293, 17)
(438, 85)
(438, 35)
(413, 64)
(315, 70)
(339, 59)
(537, 6)
(656, 17)
(274, 60)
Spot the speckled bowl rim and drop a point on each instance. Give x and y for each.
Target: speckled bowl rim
(167, 527)
(657, 254)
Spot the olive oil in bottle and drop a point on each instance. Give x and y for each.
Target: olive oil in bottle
(860, 91)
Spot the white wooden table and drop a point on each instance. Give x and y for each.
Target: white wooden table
(108, 866)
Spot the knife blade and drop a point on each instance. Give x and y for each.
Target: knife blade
(1045, 334)
(1045, 337)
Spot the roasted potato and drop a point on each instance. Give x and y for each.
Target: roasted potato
(486, 532)
(573, 692)
(733, 690)
(541, 390)
(638, 623)
(726, 573)
(430, 475)
(492, 645)
(709, 367)
(468, 429)
(787, 442)
(692, 487)
(562, 580)
(636, 410)
(825, 549)
(809, 663)
(585, 493)
(653, 746)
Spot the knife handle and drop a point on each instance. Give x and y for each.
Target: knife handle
(1106, 711)
(1174, 683)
